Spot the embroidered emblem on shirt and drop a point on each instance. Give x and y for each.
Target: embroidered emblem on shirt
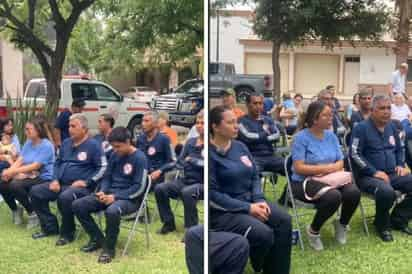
(245, 160)
(127, 169)
(151, 151)
(82, 156)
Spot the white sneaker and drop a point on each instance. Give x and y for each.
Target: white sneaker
(340, 232)
(33, 221)
(17, 216)
(314, 240)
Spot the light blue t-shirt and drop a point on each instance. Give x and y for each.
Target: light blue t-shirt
(15, 141)
(306, 147)
(42, 153)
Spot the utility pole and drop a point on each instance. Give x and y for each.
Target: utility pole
(217, 35)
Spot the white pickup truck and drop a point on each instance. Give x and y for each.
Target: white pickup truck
(99, 97)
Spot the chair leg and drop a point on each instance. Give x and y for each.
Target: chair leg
(146, 227)
(365, 224)
(132, 232)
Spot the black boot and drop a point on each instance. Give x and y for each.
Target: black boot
(167, 228)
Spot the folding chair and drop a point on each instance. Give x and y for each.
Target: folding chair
(295, 202)
(268, 177)
(142, 209)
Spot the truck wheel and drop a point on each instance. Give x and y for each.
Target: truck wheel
(135, 127)
(241, 94)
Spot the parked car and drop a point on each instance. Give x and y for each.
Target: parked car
(141, 94)
(99, 97)
(183, 103)
(223, 76)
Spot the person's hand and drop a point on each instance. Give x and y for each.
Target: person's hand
(258, 211)
(382, 175)
(9, 172)
(155, 175)
(54, 186)
(108, 199)
(187, 159)
(79, 184)
(401, 171)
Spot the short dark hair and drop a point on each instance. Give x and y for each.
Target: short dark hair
(4, 122)
(108, 118)
(252, 94)
(298, 95)
(78, 102)
(119, 134)
(216, 117)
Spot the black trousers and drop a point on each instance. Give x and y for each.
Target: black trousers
(189, 194)
(41, 195)
(270, 163)
(270, 242)
(348, 195)
(228, 252)
(84, 207)
(18, 190)
(385, 197)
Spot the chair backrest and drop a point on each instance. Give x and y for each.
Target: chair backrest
(288, 167)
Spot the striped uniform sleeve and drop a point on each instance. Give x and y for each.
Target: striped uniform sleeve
(358, 144)
(100, 163)
(249, 137)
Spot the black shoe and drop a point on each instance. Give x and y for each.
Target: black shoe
(91, 246)
(41, 234)
(64, 241)
(106, 256)
(385, 235)
(166, 228)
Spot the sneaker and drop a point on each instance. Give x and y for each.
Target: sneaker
(17, 216)
(340, 232)
(314, 240)
(33, 221)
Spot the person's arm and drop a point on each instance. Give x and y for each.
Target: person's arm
(220, 200)
(100, 163)
(249, 137)
(399, 150)
(58, 126)
(45, 155)
(356, 152)
(285, 114)
(139, 182)
(169, 157)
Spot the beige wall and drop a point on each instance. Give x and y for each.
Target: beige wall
(12, 69)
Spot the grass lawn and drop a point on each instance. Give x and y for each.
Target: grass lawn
(20, 254)
(360, 255)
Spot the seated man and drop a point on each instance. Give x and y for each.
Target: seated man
(189, 188)
(156, 147)
(79, 166)
(228, 252)
(365, 99)
(378, 161)
(259, 133)
(123, 184)
(327, 97)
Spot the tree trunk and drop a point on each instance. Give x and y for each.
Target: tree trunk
(402, 43)
(276, 70)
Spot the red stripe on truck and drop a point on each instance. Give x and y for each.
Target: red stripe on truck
(138, 109)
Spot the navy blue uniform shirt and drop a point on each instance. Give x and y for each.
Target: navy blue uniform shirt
(83, 162)
(159, 152)
(258, 135)
(373, 151)
(191, 159)
(62, 123)
(106, 146)
(233, 179)
(126, 176)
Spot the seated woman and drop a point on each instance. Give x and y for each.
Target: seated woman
(33, 166)
(237, 201)
(315, 153)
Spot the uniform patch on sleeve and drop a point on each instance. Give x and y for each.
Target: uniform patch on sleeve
(246, 161)
(82, 156)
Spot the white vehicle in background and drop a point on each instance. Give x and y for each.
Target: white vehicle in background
(141, 94)
(99, 98)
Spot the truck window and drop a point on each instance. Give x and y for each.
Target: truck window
(229, 69)
(36, 90)
(83, 91)
(213, 68)
(103, 93)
